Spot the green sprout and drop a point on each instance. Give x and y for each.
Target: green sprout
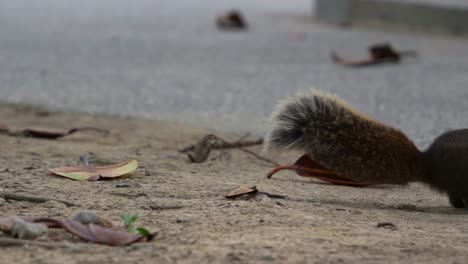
(129, 222)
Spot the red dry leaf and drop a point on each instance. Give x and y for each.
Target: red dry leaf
(102, 235)
(306, 167)
(89, 232)
(95, 233)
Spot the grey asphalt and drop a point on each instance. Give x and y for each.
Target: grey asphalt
(165, 59)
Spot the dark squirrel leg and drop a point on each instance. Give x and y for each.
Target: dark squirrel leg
(457, 202)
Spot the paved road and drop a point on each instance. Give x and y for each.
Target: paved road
(165, 59)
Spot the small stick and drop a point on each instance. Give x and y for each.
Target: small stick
(247, 151)
(225, 145)
(9, 242)
(274, 196)
(128, 195)
(32, 199)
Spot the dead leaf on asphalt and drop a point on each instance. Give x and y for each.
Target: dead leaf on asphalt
(378, 54)
(231, 20)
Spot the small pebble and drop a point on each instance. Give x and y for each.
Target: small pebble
(267, 255)
(262, 198)
(90, 218)
(86, 218)
(53, 204)
(24, 230)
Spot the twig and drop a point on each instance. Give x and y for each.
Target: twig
(32, 199)
(167, 207)
(225, 145)
(9, 242)
(128, 195)
(247, 151)
(274, 196)
(154, 206)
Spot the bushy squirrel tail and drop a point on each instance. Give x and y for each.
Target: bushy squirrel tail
(314, 119)
(342, 139)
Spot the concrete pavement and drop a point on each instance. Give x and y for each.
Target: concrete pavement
(166, 60)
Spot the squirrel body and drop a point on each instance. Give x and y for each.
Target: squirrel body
(341, 139)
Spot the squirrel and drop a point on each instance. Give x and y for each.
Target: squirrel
(341, 139)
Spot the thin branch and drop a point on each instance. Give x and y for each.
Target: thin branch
(247, 151)
(32, 199)
(9, 242)
(225, 145)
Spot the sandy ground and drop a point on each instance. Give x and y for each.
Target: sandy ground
(316, 223)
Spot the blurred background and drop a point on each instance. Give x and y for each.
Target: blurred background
(165, 59)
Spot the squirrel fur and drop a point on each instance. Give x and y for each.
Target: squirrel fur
(341, 139)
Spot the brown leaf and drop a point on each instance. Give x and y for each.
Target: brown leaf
(89, 232)
(231, 20)
(55, 134)
(239, 191)
(114, 237)
(306, 167)
(95, 233)
(378, 54)
(93, 173)
(102, 235)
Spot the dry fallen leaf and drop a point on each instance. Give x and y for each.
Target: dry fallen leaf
(103, 235)
(239, 191)
(231, 20)
(54, 134)
(306, 167)
(378, 54)
(46, 133)
(93, 173)
(90, 232)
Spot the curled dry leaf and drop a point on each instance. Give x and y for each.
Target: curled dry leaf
(103, 235)
(93, 173)
(247, 192)
(96, 233)
(89, 232)
(306, 167)
(378, 54)
(231, 20)
(239, 191)
(55, 134)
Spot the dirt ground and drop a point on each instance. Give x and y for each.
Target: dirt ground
(316, 223)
